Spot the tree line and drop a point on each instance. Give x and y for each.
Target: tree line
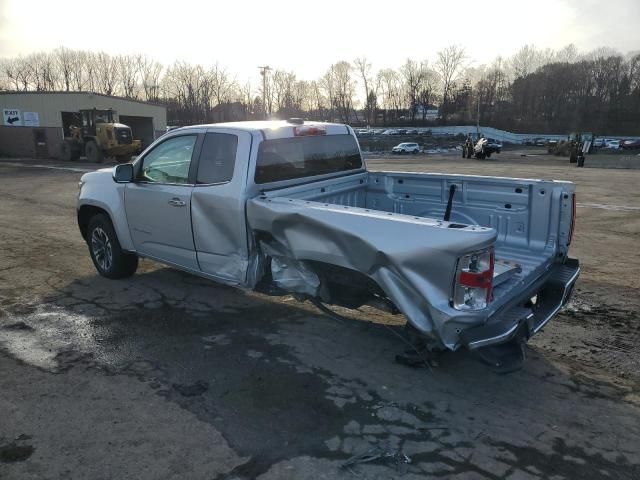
(534, 90)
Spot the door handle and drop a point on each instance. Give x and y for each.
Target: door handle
(176, 202)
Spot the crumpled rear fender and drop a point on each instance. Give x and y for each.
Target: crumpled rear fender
(412, 259)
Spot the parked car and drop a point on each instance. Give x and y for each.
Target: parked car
(288, 207)
(631, 144)
(412, 132)
(391, 132)
(599, 143)
(493, 145)
(614, 144)
(540, 142)
(402, 131)
(406, 147)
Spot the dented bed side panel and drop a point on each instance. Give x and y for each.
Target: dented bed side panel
(412, 259)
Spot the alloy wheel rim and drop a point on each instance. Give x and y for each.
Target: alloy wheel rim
(101, 248)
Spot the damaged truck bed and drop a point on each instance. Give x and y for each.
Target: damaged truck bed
(471, 261)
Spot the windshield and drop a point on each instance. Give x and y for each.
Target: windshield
(298, 157)
(103, 116)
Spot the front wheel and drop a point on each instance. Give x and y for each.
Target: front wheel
(94, 153)
(107, 255)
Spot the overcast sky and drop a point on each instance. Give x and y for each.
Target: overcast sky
(306, 36)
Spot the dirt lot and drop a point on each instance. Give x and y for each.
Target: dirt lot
(165, 375)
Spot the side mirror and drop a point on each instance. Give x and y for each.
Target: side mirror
(123, 173)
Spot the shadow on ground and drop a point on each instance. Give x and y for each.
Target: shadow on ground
(281, 381)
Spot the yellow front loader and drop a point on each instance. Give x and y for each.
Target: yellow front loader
(98, 137)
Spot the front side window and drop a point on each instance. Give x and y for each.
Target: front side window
(217, 158)
(169, 162)
(298, 157)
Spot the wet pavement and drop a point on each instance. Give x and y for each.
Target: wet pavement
(165, 375)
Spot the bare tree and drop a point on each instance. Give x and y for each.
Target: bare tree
(568, 54)
(449, 65)
(149, 72)
(17, 73)
(127, 73)
(221, 84)
(106, 73)
(427, 89)
(391, 90)
(328, 85)
(43, 71)
(318, 101)
(412, 73)
(345, 89)
(525, 61)
(65, 64)
(363, 67)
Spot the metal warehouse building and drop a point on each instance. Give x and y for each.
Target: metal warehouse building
(35, 123)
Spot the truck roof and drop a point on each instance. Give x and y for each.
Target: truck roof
(279, 128)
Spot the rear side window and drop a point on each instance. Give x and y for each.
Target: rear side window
(217, 158)
(298, 157)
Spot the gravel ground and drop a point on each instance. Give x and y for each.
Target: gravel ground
(166, 375)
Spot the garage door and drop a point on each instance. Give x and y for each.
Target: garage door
(141, 128)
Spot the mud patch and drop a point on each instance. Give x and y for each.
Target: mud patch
(16, 451)
(18, 326)
(609, 335)
(192, 390)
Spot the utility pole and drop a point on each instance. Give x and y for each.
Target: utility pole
(264, 71)
(478, 118)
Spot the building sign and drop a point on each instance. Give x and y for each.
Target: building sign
(31, 119)
(12, 117)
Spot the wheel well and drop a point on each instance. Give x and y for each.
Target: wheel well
(85, 214)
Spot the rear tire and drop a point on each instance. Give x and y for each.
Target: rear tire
(94, 153)
(105, 250)
(65, 152)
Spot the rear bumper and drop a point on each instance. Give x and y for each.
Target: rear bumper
(523, 321)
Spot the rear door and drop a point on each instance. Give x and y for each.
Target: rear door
(158, 204)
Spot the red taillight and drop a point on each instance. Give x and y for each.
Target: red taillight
(573, 219)
(308, 130)
(476, 280)
(474, 285)
(479, 279)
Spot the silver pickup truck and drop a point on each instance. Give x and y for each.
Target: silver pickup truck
(289, 207)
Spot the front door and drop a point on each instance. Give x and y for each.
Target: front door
(158, 203)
